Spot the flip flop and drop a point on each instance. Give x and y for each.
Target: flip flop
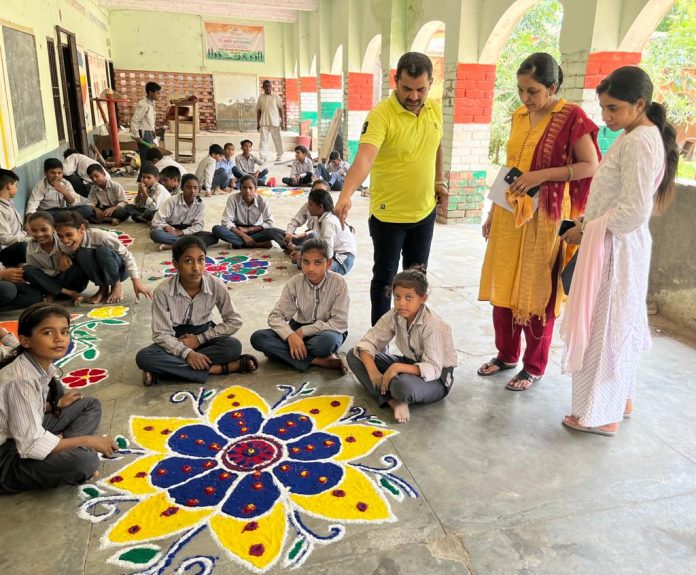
(495, 362)
(523, 375)
(583, 429)
(244, 360)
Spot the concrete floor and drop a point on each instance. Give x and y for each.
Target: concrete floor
(504, 488)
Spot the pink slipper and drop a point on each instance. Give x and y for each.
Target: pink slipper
(577, 427)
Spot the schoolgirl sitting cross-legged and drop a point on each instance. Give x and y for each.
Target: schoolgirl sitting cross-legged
(187, 343)
(46, 437)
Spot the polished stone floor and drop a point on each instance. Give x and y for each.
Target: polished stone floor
(503, 487)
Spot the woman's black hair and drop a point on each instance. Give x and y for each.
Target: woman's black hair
(247, 177)
(187, 177)
(323, 198)
(30, 318)
(413, 278)
(543, 68)
(630, 84)
(187, 242)
(315, 244)
(69, 218)
(41, 216)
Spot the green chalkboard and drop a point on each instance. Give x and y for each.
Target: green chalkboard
(25, 90)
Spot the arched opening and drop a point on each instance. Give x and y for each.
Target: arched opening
(430, 40)
(537, 30)
(372, 64)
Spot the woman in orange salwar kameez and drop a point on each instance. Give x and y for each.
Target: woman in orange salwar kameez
(554, 144)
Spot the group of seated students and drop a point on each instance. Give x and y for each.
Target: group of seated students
(47, 436)
(221, 172)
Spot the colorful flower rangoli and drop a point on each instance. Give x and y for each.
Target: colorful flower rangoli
(283, 192)
(247, 474)
(230, 268)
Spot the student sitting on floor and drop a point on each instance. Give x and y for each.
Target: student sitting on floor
(246, 162)
(53, 193)
(424, 373)
(155, 156)
(47, 437)
(108, 198)
(301, 172)
(324, 224)
(171, 180)
(102, 257)
(13, 239)
(213, 180)
(187, 343)
(334, 172)
(75, 171)
(227, 164)
(181, 215)
(151, 195)
(247, 220)
(45, 262)
(310, 320)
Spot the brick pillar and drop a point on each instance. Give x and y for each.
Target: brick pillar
(292, 103)
(467, 107)
(308, 99)
(388, 83)
(358, 90)
(330, 100)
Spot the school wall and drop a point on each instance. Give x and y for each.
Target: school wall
(39, 17)
(673, 265)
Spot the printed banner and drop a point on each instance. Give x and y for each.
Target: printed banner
(234, 42)
(99, 81)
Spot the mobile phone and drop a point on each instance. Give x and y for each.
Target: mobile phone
(515, 173)
(565, 226)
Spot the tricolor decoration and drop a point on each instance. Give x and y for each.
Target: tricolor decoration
(248, 474)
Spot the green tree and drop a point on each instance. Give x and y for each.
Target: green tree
(537, 31)
(670, 60)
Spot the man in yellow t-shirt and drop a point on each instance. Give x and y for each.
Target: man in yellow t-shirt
(401, 145)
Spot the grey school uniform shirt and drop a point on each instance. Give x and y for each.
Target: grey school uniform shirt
(11, 225)
(23, 394)
(428, 341)
(175, 211)
(45, 197)
(319, 307)
(173, 306)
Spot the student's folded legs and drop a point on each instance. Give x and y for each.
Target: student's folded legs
(221, 351)
(323, 345)
(17, 296)
(159, 236)
(140, 215)
(72, 280)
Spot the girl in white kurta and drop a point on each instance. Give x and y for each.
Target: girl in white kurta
(607, 326)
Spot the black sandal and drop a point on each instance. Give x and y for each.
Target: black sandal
(244, 360)
(495, 362)
(523, 375)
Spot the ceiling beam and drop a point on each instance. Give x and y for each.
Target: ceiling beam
(273, 10)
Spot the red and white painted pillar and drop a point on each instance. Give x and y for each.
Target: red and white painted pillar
(330, 100)
(292, 103)
(358, 95)
(308, 100)
(467, 107)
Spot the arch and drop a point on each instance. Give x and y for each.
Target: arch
(501, 30)
(644, 25)
(337, 63)
(425, 35)
(313, 66)
(372, 52)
